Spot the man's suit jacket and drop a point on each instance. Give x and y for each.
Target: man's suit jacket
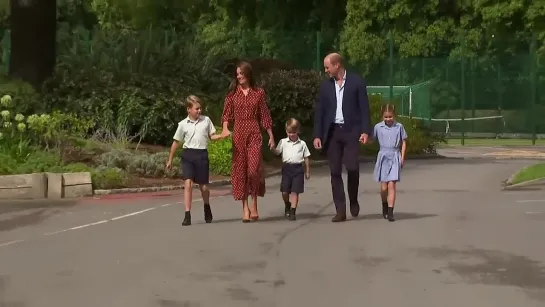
(355, 107)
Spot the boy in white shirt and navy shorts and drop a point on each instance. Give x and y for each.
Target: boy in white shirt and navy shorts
(294, 152)
(195, 132)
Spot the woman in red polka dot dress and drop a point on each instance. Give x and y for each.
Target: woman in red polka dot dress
(246, 106)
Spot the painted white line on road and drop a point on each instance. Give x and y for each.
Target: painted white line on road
(104, 221)
(10, 243)
(531, 201)
(531, 212)
(87, 225)
(132, 214)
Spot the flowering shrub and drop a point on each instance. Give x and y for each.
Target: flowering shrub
(45, 130)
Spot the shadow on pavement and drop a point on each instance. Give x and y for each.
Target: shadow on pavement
(398, 216)
(21, 213)
(310, 216)
(9, 206)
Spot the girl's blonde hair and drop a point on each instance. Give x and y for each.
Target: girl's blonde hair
(388, 108)
(191, 100)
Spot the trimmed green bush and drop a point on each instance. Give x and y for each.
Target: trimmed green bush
(144, 107)
(293, 94)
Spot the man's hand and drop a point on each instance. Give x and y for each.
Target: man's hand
(364, 138)
(317, 143)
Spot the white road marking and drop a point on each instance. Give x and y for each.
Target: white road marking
(132, 214)
(104, 221)
(531, 201)
(531, 212)
(10, 243)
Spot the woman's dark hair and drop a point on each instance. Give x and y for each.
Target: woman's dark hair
(246, 69)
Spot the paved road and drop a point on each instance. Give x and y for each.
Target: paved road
(458, 241)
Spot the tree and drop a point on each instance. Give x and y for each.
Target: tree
(33, 40)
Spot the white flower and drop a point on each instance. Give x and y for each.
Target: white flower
(7, 124)
(21, 127)
(5, 114)
(19, 117)
(5, 101)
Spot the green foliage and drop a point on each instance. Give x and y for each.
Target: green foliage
(420, 139)
(220, 156)
(108, 178)
(153, 165)
(292, 94)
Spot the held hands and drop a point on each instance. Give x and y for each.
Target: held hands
(272, 146)
(317, 143)
(225, 133)
(364, 138)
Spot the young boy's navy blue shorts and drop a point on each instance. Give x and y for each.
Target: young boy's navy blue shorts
(293, 178)
(195, 165)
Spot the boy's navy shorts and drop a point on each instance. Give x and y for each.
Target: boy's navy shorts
(293, 178)
(195, 165)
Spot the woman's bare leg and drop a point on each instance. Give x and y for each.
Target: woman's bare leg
(245, 210)
(254, 212)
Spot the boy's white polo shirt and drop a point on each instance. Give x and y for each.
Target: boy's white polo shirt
(293, 152)
(195, 134)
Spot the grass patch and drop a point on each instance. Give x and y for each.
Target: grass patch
(531, 172)
(494, 142)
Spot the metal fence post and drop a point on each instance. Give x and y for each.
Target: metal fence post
(391, 64)
(463, 100)
(318, 56)
(533, 88)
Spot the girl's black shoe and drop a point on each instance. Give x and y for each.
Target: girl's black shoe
(385, 210)
(391, 214)
(207, 213)
(187, 219)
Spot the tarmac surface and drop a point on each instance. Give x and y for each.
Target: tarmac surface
(458, 240)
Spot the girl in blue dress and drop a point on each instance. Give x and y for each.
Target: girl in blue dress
(391, 137)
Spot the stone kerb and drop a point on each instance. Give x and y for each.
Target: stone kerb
(46, 185)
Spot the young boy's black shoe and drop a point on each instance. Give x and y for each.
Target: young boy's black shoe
(207, 213)
(292, 214)
(391, 214)
(287, 208)
(187, 219)
(385, 210)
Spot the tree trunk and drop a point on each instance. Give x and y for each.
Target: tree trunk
(33, 40)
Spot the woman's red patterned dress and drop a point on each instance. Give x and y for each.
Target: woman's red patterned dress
(247, 112)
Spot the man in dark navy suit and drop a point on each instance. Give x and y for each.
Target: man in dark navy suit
(341, 122)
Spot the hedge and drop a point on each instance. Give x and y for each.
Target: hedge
(293, 94)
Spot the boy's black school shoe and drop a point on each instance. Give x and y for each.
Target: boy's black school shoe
(287, 208)
(385, 210)
(292, 216)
